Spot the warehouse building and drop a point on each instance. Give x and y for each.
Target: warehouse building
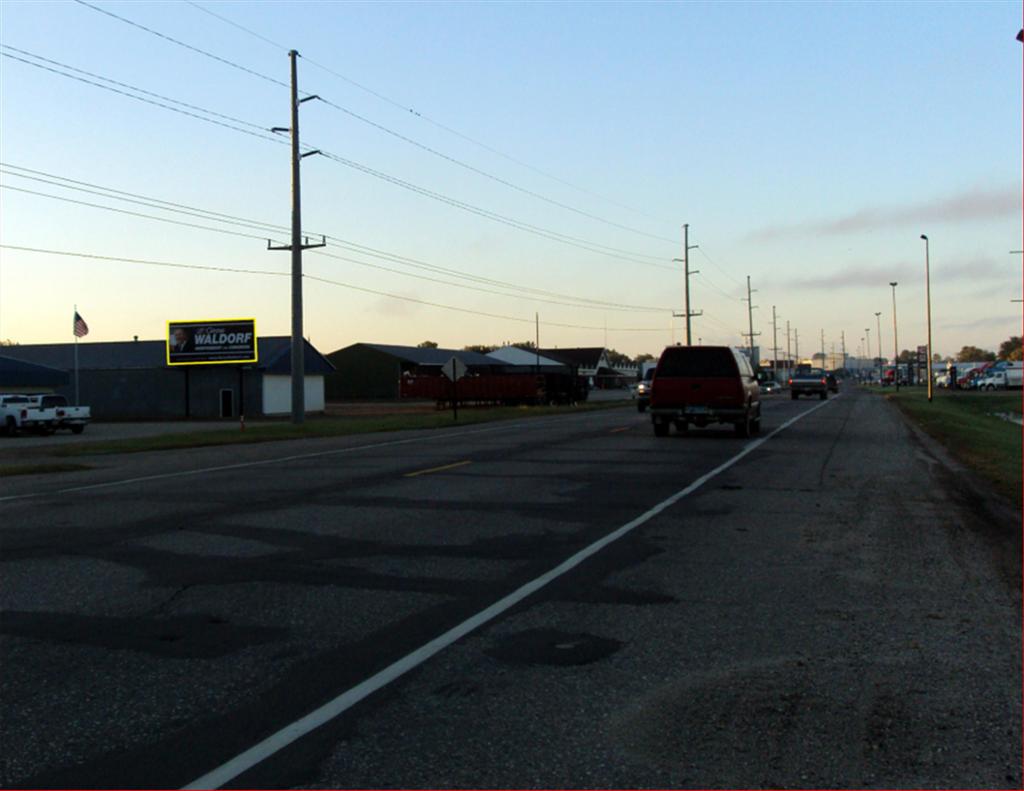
(373, 371)
(130, 380)
(17, 376)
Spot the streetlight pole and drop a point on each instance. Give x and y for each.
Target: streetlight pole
(928, 302)
(895, 342)
(867, 342)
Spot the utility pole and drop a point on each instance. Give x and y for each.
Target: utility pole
(775, 346)
(685, 260)
(895, 341)
(823, 348)
(296, 248)
(842, 339)
(878, 343)
(796, 344)
(789, 356)
(750, 319)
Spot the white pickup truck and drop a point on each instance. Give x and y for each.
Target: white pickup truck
(74, 418)
(20, 412)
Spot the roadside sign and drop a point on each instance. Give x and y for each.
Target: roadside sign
(454, 369)
(922, 355)
(212, 341)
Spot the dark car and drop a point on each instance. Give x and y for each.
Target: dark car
(643, 391)
(700, 385)
(833, 383)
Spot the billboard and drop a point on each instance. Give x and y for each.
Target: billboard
(212, 341)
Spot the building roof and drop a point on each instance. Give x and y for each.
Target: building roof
(427, 356)
(18, 373)
(274, 354)
(586, 357)
(514, 355)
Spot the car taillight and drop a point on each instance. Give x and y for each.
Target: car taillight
(824, 381)
(790, 381)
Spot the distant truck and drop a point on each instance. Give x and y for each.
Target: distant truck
(19, 412)
(808, 381)
(1010, 377)
(72, 418)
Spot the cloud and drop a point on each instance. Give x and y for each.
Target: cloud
(853, 277)
(965, 207)
(977, 270)
(982, 323)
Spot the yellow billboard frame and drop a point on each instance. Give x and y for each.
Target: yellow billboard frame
(255, 342)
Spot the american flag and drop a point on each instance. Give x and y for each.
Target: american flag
(81, 328)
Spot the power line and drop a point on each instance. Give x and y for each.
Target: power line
(365, 120)
(725, 272)
(165, 37)
(145, 262)
(491, 176)
(94, 189)
(131, 87)
(133, 213)
(573, 241)
(426, 118)
(148, 101)
(715, 287)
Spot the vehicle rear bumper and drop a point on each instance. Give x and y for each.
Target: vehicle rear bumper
(696, 414)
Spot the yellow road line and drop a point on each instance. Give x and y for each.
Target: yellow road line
(617, 430)
(437, 469)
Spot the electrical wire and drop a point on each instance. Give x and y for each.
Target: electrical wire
(149, 101)
(573, 241)
(134, 198)
(165, 37)
(382, 97)
(327, 281)
(133, 88)
(721, 269)
(363, 119)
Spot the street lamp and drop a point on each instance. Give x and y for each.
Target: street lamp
(928, 302)
(895, 342)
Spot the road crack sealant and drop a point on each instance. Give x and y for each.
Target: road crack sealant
(294, 731)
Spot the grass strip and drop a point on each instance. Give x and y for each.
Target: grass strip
(967, 424)
(324, 427)
(7, 470)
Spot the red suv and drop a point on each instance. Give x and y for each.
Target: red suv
(702, 385)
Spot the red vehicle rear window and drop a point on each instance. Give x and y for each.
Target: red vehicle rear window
(699, 362)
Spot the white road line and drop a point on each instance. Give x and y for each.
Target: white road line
(277, 460)
(296, 730)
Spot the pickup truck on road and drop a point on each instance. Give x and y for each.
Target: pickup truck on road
(699, 385)
(74, 418)
(20, 412)
(808, 381)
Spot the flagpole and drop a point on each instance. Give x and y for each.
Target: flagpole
(73, 320)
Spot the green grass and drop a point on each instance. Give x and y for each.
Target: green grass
(7, 470)
(324, 427)
(966, 424)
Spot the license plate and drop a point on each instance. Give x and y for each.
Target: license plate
(696, 410)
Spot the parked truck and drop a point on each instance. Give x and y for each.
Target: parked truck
(19, 412)
(1010, 377)
(72, 418)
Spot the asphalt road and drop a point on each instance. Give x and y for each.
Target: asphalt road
(834, 608)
